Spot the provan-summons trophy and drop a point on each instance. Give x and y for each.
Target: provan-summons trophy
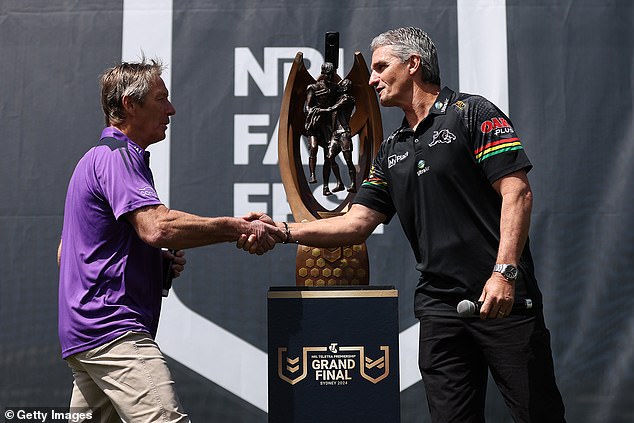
(327, 113)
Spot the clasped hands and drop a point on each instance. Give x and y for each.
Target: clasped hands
(262, 234)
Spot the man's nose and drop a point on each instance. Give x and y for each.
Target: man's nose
(374, 79)
(171, 110)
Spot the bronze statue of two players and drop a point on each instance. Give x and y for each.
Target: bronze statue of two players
(328, 109)
(328, 112)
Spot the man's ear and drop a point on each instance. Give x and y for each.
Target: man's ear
(129, 105)
(414, 64)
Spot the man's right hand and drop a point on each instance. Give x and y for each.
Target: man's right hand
(262, 236)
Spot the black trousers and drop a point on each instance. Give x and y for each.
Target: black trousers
(456, 354)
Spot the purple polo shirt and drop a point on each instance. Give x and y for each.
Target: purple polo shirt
(110, 280)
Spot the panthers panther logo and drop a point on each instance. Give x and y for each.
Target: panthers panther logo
(443, 136)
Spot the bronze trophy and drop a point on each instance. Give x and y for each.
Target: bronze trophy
(328, 112)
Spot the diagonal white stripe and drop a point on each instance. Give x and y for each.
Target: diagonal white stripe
(408, 357)
(482, 53)
(213, 352)
(147, 30)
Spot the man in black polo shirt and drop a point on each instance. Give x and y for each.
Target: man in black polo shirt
(455, 173)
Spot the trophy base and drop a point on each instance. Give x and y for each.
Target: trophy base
(332, 266)
(327, 347)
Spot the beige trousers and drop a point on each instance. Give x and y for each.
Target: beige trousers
(126, 379)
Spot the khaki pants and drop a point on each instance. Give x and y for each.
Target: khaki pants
(126, 379)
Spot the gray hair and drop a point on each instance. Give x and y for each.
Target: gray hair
(132, 80)
(410, 41)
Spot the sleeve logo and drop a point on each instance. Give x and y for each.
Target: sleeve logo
(497, 125)
(148, 191)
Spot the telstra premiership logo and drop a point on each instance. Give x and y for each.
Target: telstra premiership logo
(333, 368)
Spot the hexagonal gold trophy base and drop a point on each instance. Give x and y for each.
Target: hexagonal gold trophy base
(332, 266)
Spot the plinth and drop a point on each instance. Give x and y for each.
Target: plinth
(333, 354)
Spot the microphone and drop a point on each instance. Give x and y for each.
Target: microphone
(168, 275)
(468, 308)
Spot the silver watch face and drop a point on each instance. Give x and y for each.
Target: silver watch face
(507, 270)
(510, 272)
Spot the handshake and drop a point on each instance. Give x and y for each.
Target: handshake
(262, 233)
(258, 233)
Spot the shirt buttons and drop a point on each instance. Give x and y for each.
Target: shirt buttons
(416, 140)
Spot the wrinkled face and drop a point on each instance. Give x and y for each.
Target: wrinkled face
(151, 118)
(390, 77)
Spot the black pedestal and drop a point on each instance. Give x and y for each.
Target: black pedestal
(333, 354)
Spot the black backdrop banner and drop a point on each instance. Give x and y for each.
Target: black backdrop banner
(562, 70)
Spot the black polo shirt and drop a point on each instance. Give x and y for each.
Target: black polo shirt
(438, 179)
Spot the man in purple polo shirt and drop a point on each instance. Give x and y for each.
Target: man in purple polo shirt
(110, 255)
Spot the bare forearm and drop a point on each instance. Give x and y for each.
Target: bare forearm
(498, 293)
(180, 230)
(332, 232)
(514, 226)
(352, 228)
(163, 227)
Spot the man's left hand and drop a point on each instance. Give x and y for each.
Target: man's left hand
(178, 261)
(497, 297)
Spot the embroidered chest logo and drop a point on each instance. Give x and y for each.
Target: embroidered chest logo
(442, 105)
(459, 105)
(443, 136)
(395, 158)
(422, 166)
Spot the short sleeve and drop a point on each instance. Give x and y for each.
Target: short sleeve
(374, 192)
(496, 146)
(123, 181)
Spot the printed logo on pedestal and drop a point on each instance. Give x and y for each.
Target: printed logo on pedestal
(333, 365)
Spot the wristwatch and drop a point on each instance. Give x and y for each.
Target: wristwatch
(507, 270)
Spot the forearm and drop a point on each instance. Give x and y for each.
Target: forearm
(167, 228)
(180, 230)
(352, 228)
(514, 226)
(332, 232)
(498, 293)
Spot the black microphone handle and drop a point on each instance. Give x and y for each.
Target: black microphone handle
(465, 306)
(525, 304)
(168, 275)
